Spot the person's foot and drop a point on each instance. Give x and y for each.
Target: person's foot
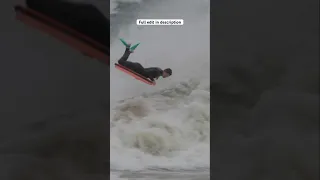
(128, 48)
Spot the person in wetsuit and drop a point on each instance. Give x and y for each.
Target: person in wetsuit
(151, 73)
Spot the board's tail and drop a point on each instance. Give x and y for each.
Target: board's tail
(132, 48)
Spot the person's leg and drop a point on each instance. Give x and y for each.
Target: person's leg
(124, 57)
(138, 68)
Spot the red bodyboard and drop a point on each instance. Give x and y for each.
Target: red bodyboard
(73, 38)
(135, 75)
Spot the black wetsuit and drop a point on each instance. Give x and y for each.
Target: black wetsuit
(151, 73)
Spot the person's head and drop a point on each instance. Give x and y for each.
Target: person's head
(166, 73)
